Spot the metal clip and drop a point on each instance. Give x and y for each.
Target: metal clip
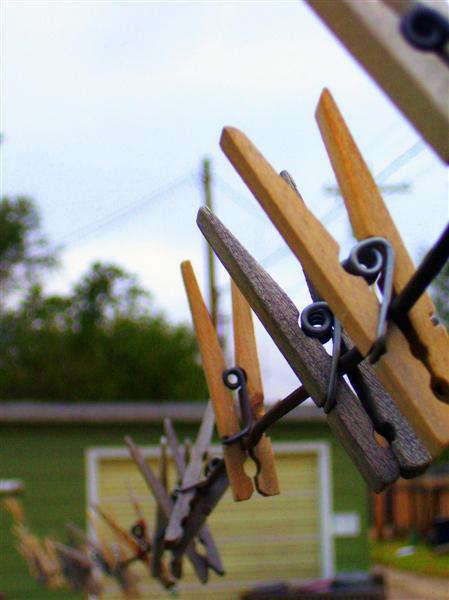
(207, 497)
(318, 321)
(235, 379)
(373, 258)
(426, 29)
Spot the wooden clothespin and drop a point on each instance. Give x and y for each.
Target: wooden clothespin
(119, 532)
(199, 562)
(404, 377)
(305, 355)
(369, 218)
(417, 81)
(388, 421)
(157, 549)
(198, 455)
(225, 410)
(214, 366)
(41, 560)
(192, 474)
(139, 530)
(140, 533)
(113, 561)
(42, 566)
(77, 569)
(104, 554)
(246, 357)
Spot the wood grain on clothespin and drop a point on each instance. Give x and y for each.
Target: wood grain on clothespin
(192, 475)
(349, 297)
(120, 533)
(369, 217)
(246, 358)
(102, 542)
(204, 534)
(306, 356)
(165, 502)
(214, 365)
(413, 458)
(417, 82)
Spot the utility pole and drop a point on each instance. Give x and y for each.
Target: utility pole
(213, 293)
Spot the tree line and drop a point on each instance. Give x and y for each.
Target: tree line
(103, 340)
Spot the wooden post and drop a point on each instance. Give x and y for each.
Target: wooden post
(213, 294)
(379, 515)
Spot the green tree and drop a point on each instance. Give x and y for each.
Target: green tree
(102, 341)
(24, 251)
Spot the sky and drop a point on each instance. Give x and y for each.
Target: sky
(109, 108)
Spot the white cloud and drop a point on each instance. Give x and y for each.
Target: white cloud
(157, 264)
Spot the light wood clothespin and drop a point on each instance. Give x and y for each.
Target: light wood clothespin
(404, 377)
(416, 81)
(102, 544)
(411, 455)
(114, 563)
(140, 533)
(225, 410)
(246, 357)
(120, 533)
(370, 217)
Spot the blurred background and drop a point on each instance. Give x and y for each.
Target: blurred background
(110, 119)
(109, 108)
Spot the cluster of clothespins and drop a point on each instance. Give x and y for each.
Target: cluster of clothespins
(389, 372)
(82, 561)
(384, 389)
(51, 563)
(85, 560)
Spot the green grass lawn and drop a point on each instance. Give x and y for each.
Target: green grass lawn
(423, 561)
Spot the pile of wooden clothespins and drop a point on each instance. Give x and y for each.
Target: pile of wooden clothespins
(85, 561)
(81, 562)
(384, 390)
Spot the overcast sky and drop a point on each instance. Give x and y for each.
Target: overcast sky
(108, 108)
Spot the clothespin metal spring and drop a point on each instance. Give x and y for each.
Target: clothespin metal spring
(210, 472)
(426, 29)
(245, 407)
(318, 321)
(369, 259)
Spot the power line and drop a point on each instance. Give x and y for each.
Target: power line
(283, 251)
(398, 162)
(240, 199)
(91, 229)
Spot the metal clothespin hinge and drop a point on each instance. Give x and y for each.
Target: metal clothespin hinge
(318, 321)
(235, 379)
(426, 29)
(206, 498)
(373, 259)
(138, 532)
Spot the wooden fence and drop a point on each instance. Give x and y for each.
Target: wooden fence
(409, 507)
